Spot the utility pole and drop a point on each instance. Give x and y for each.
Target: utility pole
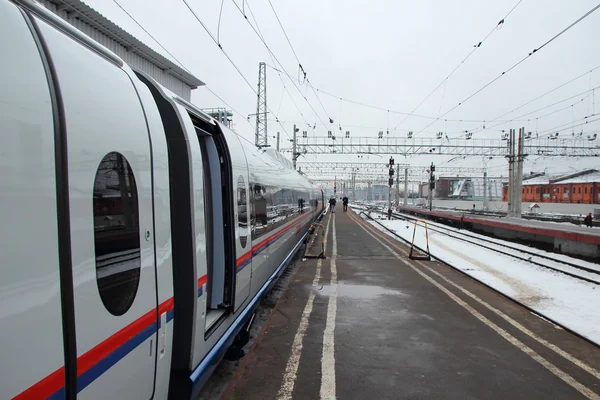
(485, 199)
(519, 173)
(390, 184)
(261, 107)
(353, 185)
(405, 187)
(277, 141)
(294, 152)
(511, 178)
(431, 185)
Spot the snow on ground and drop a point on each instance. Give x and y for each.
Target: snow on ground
(567, 300)
(475, 236)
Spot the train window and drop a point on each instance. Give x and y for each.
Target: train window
(116, 233)
(242, 211)
(259, 211)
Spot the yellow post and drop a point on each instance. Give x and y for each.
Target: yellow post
(412, 245)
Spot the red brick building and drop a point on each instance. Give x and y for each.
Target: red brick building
(582, 187)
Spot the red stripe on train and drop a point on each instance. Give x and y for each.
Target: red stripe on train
(55, 381)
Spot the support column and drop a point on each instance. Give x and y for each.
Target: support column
(519, 174)
(294, 148)
(405, 187)
(511, 178)
(485, 195)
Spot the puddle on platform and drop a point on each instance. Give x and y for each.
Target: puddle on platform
(359, 292)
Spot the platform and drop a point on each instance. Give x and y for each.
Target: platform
(368, 323)
(566, 238)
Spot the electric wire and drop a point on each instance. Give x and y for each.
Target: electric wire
(261, 36)
(229, 59)
(301, 68)
(186, 69)
(519, 118)
(276, 59)
(542, 95)
(534, 51)
(475, 47)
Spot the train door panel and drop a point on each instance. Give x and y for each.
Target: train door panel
(110, 194)
(219, 216)
(243, 241)
(30, 297)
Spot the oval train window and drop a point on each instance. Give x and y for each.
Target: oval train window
(242, 211)
(116, 233)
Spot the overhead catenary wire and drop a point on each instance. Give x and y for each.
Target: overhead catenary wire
(185, 68)
(542, 95)
(272, 54)
(301, 68)
(276, 60)
(534, 51)
(586, 120)
(475, 47)
(388, 109)
(230, 60)
(519, 118)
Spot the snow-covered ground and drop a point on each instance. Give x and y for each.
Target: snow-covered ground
(485, 240)
(567, 300)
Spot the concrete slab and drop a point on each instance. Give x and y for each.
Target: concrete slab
(406, 329)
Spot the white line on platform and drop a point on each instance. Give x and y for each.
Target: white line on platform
(328, 358)
(291, 369)
(511, 339)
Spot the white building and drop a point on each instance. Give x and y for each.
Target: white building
(131, 50)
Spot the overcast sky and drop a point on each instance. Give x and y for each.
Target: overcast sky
(389, 54)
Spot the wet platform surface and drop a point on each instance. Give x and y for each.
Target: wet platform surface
(368, 323)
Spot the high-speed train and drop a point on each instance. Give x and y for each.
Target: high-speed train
(137, 234)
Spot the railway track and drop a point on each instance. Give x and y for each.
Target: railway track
(502, 248)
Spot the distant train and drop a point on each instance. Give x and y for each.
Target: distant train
(137, 233)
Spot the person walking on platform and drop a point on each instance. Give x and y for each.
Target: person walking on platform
(332, 204)
(588, 220)
(345, 203)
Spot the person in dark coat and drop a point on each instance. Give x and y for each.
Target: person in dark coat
(588, 220)
(345, 203)
(332, 204)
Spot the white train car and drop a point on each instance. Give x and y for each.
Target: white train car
(138, 233)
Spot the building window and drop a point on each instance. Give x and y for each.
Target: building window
(586, 190)
(116, 233)
(242, 211)
(537, 190)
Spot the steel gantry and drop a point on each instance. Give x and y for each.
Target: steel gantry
(548, 146)
(374, 167)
